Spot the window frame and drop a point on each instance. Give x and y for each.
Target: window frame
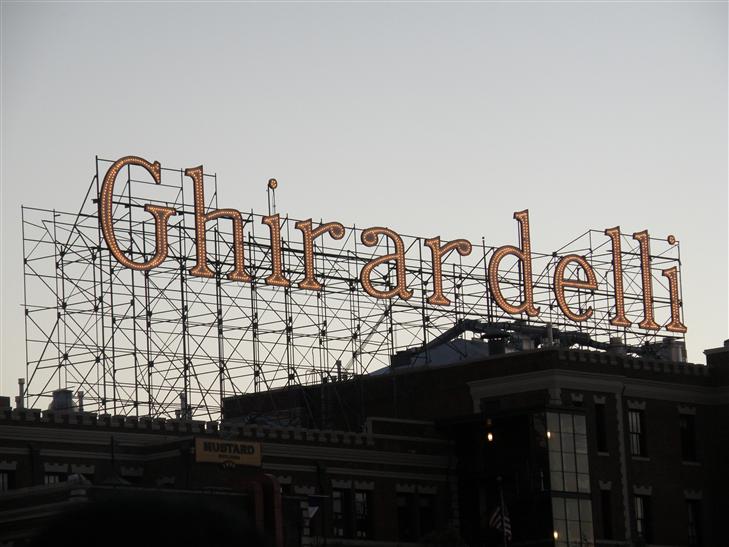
(643, 517)
(637, 432)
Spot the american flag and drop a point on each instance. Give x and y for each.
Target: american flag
(501, 521)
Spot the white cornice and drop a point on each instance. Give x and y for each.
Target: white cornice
(597, 382)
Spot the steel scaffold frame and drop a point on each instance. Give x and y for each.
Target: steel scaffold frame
(133, 341)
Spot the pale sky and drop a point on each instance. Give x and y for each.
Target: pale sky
(431, 118)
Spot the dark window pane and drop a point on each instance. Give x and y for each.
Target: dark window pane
(555, 461)
(601, 428)
(642, 517)
(7, 480)
(570, 482)
(636, 423)
(583, 482)
(405, 517)
(580, 444)
(427, 514)
(688, 437)
(552, 422)
(694, 523)
(341, 513)
(568, 462)
(362, 512)
(606, 510)
(557, 482)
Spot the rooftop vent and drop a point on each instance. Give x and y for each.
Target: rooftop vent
(62, 401)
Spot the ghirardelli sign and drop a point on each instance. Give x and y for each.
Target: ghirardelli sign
(572, 281)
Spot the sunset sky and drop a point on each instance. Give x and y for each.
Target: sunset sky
(426, 117)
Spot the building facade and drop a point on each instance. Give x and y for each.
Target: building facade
(578, 448)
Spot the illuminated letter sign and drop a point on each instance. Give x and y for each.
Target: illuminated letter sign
(645, 271)
(675, 325)
(438, 253)
(201, 268)
(561, 278)
(335, 229)
(560, 283)
(276, 278)
(161, 215)
(619, 320)
(525, 256)
(370, 237)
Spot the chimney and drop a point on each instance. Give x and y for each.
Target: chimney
(184, 408)
(675, 350)
(80, 396)
(616, 346)
(62, 401)
(20, 399)
(550, 335)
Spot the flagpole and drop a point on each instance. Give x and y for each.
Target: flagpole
(503, 513)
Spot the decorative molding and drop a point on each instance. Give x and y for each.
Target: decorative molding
(599, 399)
(636, 405)
(306, 490)
(336, 483)
(605, 485)
(600, 382)
(686, 409)
(82, 469)
(8, 466)
(401, 488)
(364, 485)
(131, 471)
(639, 490)
(55, 467)
(354, 455)
(432, 490)
(693, 494)
(555, 395)
(397, 475)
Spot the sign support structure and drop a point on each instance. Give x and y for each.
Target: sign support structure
(138, 341)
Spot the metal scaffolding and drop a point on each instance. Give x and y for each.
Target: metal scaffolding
(134, 341)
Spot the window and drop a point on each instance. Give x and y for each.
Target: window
(688, 437)
(601, 427)
(7, 481)
(694, 522)
(340, 512)
(416, 516)
(572, 520)
(427, 514)
(606, 510)
(642, 517)
(637, 432)
(54, 478)
(351, 513)
(568, 463)
(405, 520)
(362, 514)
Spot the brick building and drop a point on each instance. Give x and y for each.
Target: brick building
(585, 447)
